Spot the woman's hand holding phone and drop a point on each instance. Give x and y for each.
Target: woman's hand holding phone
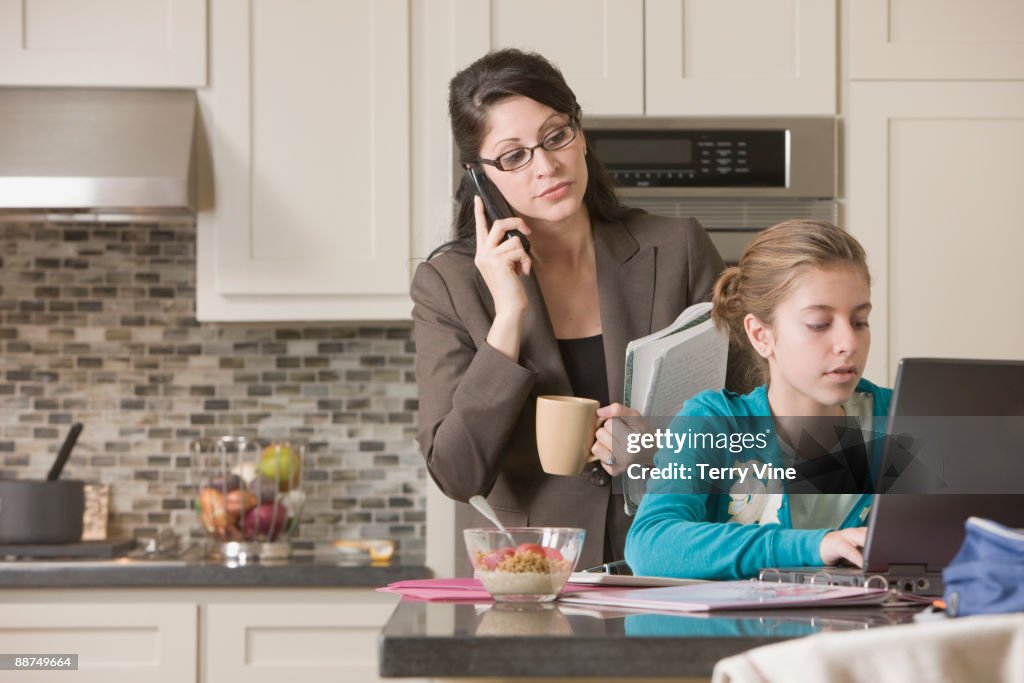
(501, 263)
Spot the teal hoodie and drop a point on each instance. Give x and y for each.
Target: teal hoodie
(690, 535)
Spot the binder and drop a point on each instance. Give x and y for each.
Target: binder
(732, 595)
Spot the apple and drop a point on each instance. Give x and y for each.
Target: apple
(279, 462)
(264, 489)
(238, 501)
(267, 519)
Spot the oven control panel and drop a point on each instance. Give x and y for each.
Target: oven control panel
(694, 158)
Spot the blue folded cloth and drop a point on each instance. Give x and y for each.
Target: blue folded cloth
(987, 574)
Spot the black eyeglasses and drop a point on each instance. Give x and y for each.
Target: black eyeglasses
(521, 156)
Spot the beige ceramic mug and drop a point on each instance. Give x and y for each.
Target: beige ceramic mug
(565, 433)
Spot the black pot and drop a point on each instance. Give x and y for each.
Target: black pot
(41, 511)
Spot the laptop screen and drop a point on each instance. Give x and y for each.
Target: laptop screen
(952, 409)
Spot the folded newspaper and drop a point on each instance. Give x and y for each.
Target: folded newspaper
(670, 366)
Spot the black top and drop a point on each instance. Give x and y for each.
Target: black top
(583, 359)
(584, 363)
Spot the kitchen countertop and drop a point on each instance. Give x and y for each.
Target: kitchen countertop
(194, 571)
(460, 640)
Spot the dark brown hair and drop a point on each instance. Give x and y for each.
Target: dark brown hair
(498, 76)
(768, 270)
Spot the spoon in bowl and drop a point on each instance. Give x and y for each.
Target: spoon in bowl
(485, 509)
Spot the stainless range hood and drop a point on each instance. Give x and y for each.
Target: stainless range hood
(97, 149)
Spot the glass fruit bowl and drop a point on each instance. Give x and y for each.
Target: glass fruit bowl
(527, 564)
(249, 492)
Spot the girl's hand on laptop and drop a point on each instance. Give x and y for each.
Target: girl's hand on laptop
(844, 544)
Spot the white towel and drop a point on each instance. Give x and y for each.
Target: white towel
(984, 648)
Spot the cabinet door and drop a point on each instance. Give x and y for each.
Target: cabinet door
(114, 642)
(934, 195)
(128, 43)
(598, 46)
(740, 57)
(304, 174)
(943, 39)
(268, 643)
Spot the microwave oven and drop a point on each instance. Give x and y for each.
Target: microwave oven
(737, 176)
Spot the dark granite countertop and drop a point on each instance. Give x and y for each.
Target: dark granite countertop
(190, 571)
(455, 640)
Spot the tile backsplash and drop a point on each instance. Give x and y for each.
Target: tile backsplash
(97, 325)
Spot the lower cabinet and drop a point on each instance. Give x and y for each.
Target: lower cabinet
(261, 643)
(114, 642)
(197, 636)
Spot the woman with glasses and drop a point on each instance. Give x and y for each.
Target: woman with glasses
(499, 321)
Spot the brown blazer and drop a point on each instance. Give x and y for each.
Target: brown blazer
(476, 406)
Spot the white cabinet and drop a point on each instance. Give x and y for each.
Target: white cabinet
(304, 163)
(935, 180)
(598, 46)
(670, 57)
(115, 643)
(934, 132)
(268, 643)
(116, 43)
(200, 635)
(740, 57)
(937, 39)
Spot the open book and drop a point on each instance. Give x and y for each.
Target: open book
(730, 595)
(666, 368)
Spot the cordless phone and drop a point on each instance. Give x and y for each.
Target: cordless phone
(495, 205)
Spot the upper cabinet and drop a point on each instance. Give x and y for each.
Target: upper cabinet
(671, 57)
(936, 39)
(304, 162)
(740, 57)
(934, 131)
(103, 43)
(598, 46)
(934, 196)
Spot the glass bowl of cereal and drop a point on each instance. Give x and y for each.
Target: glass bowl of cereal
(524, 564)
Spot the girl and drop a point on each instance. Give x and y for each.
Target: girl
(800, 297)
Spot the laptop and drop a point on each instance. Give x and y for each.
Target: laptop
(913, 536)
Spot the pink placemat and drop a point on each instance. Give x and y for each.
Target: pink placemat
(455, 590)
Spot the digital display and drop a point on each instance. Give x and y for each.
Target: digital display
(693, 157)
(647, 152)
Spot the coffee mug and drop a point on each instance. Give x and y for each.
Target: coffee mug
(565, 433)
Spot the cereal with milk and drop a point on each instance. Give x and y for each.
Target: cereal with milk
(525, 570)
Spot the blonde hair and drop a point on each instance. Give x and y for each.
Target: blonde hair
(768, 270)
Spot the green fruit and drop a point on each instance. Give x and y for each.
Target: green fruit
(280, 463)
